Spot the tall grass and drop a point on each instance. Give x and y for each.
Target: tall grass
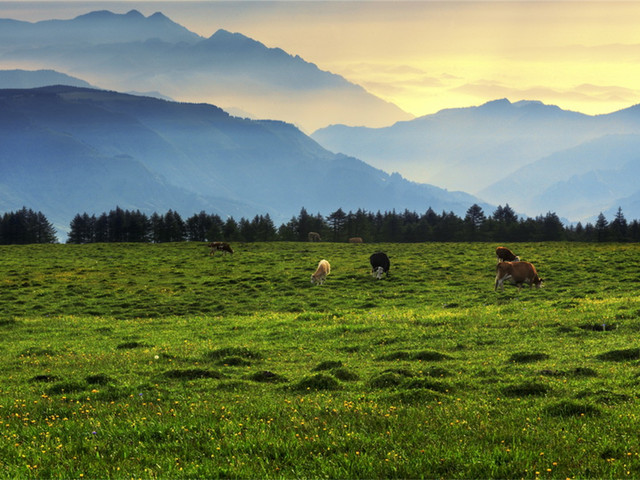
(160, 361)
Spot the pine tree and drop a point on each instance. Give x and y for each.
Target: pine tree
(601, 228)
(619, 227)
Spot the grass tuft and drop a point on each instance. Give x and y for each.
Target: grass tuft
(320, 381)
(267, 377)
(567, 408)
(192, 374)
(620, 355)
(98, 379)
(411, 397)
(66, 387)
(525, 389)
(598, 327)
(430, 356)
(234, 361)
(131, 345)
(394, 356)
(584, 372)
(327, 365)
(425, 383)
(45, 378)
(345, 374)
(526, 357)
(386, 380)
(242, 352)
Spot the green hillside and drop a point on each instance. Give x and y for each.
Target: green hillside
(141, 360)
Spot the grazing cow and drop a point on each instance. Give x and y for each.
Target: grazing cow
(517, 273)
(314, 237)
(356, 240)
(322, 271)
(223, 247)
(379, 264)
(505, 255)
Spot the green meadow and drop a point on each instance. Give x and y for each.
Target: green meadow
(161, 361)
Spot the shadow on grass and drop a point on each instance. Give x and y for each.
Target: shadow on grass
(526, 357)
(266, 376)
(193, 374)
(424, 356)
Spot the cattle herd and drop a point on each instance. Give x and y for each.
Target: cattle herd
(509, 269)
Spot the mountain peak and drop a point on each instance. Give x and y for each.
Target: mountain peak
(526, 103)
(496, 105)
(158, 16)
(134, 14)
(222, 35)
(96, 15)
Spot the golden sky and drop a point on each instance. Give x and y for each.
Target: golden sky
(428, 55)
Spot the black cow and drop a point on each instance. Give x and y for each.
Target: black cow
(505, 255)
(379, 264)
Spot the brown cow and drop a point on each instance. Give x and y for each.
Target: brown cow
(517, 273)
(506, 255)
(314, 237)
(356, 240)
(321, 273)
(223, 247)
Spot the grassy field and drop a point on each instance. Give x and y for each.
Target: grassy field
(138, 360)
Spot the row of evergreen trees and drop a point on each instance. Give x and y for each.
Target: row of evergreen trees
(25, 226)
(503, 225)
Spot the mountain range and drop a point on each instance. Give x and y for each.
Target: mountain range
(535, 157)
(131, 52)
(66, 150)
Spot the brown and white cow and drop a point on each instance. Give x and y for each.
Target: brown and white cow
(517, 273)
(314, 237)
(223, 247)
(321, 272)
(505, 255)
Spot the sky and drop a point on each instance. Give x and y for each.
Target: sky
(428, 55)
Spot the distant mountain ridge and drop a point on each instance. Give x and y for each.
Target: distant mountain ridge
(533, 156)
(93, 28)
(39, 78)
(67, 150)
(130, 52)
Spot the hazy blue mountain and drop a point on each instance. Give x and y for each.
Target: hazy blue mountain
(131, 52)
(67, 150)
(94, 28)
(581, 182)
(534, 157)
(37, 78)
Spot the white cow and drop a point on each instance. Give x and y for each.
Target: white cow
(322, 271)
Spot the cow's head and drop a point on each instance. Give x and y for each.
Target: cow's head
(537, 282)
(379, 272)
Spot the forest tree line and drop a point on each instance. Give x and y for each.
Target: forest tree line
(503, 225)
